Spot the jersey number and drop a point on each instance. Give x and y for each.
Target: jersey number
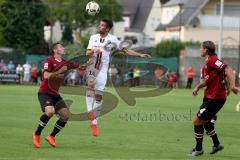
(98, 61)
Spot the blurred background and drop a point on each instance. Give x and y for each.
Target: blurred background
(170, 30)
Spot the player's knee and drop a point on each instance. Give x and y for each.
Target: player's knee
(64, 116)
(197, 121)
(90, 85)
(49, 111)
(98, 97)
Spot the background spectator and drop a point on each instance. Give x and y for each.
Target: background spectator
(158, 73)
(1, 66)
(73, 77)
(34, 74)
(112, 73)
(82, 76)
(19, 71)
(26, 71)
(5, 69)
(11, 67)
(190, 74)
(130, 77)
(136, 76)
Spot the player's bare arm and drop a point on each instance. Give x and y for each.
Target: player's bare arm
(227, 86)
(134, 53)
(47, 75)
(198, 87)
(85, 65)
(231, 80)
(89, 53)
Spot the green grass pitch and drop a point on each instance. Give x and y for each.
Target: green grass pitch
(123, 135)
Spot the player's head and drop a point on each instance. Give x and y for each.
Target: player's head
(57, 49)
(208, 48)
(105, 26)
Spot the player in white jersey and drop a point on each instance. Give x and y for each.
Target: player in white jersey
(99, 51)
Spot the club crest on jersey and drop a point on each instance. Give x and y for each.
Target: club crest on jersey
(219, 63)
(45, 66)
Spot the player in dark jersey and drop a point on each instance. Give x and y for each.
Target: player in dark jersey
(54, 70)
(217, 75)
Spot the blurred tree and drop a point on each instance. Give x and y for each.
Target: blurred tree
(73, 15)
(171, 48)
(168, 48)
(22, 23)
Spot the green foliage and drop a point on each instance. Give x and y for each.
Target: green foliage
(74, 50)
(168, 48)
(192, 44)
(22, 23)
(72, 12)
(171, 48)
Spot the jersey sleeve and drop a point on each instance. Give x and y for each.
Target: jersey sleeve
(90, 43)
(216, 63)
(47, 66)
(71, 65)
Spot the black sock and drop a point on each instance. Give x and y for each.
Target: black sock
(58, 126)
(199, 130)
(42, 123)
(209, 127)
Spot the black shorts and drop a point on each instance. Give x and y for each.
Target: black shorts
(210, 108)
(56, 101)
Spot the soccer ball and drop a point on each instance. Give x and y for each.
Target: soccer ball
(92, 8)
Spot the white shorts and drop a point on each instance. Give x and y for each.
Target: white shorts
(98, 78)
(100, 81)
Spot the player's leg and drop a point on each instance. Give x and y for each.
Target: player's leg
(90, 78)
(48, 109)
(198, 123)
(101, 81)
(63, 112)
(97, 107)
(90, 93)
(209, 126)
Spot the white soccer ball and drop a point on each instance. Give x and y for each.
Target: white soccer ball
(92, 8)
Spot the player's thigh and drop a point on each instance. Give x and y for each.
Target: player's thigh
(63, 113)
(100, 82)
(59, 103)
(209, 109)
(46, 103)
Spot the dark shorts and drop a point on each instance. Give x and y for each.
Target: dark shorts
(56, 101)
(210, 108)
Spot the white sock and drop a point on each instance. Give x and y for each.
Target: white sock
(89, 100)
(97, 107)
(94, 122)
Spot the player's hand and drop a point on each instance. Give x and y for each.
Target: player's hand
(145, 56)
(96, 51)
(228, 92)
(195, 91)
(85, 65)
(235, 90)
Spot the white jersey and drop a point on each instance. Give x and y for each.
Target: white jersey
(104, 45)
(97, 72)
